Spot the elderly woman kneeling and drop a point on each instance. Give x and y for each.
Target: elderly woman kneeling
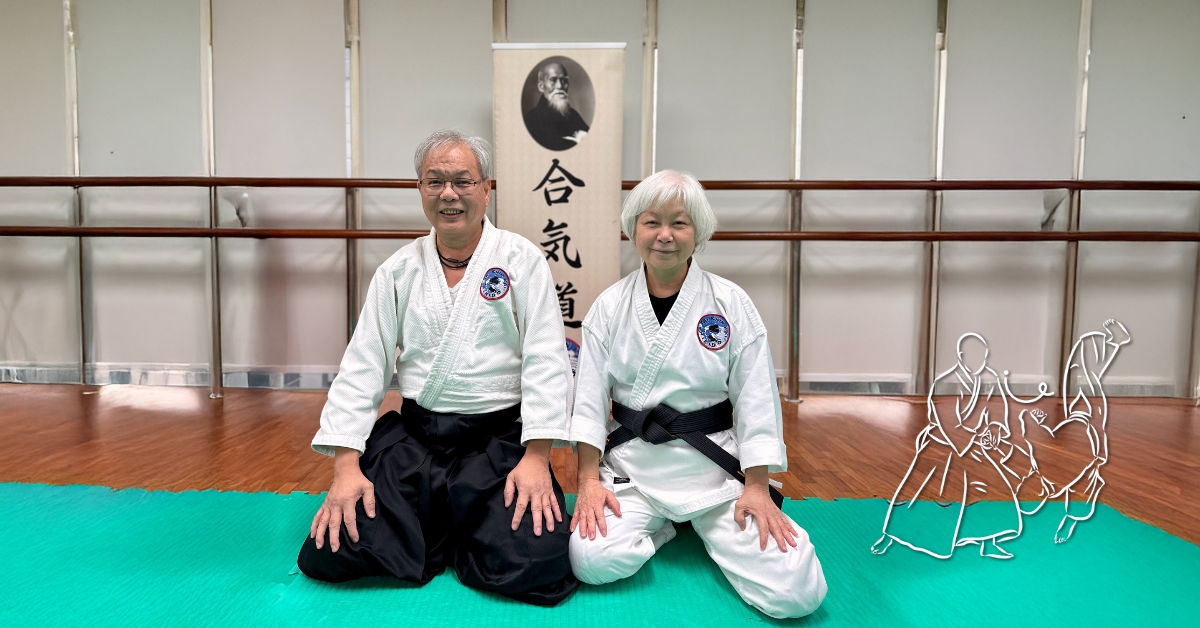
(680, 357)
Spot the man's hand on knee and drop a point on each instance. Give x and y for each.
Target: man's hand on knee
(349, 486)
(531, 484)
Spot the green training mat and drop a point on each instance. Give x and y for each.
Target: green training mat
(91, 556)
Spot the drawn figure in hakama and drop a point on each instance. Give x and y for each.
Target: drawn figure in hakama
(1087, 412)
(961, 459)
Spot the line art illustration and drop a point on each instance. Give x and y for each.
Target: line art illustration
(980, 452)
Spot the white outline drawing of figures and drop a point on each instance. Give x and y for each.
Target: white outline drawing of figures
(989, 457)
(1090, 358)
(976, 446)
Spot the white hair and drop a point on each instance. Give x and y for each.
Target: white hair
(665, 186)
(542, 70)
(444, 139)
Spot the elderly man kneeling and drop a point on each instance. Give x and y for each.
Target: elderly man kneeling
(482, 365)
(681, 354)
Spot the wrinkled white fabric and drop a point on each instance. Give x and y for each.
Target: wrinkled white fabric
(467, 355)
(780, 584)
(628, 357)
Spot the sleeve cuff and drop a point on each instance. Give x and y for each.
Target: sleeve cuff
(589, 432)
(764, 452)
(528, 434)
(324, 443)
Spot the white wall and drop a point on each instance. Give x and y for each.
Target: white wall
(868, 114)
(279, 110)
(141, 113)
(34, 121)
(1010, 111)
(724, 112)
(1143, 123)
(39, 306)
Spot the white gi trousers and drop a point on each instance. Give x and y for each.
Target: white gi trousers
(780, 584)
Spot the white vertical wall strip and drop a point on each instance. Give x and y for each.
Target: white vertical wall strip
(1010, 107)
(39, 307)
(1143, 123)
(139, 87)
(279, 110)
(140, 113)
(34, 134)
(725, 112)
(869, 82)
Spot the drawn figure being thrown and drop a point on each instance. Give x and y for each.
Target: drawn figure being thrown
(1087, 411)
(962, 458)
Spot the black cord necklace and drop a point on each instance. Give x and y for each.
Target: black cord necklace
(450, 262)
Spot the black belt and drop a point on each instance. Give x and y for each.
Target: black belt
(663, 423)
(443, 432)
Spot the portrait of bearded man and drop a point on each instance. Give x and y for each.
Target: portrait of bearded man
(553, 122)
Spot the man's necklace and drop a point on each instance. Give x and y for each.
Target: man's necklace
(450, 262)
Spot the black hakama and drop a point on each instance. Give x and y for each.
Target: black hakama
(439, 498)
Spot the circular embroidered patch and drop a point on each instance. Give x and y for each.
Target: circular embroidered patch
(713, 331)
(573, 355)
(495, 284)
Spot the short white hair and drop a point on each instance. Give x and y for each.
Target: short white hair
(665, 186)
(444, 139)
(542, 70)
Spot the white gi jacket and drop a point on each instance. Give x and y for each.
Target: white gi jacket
(711, 347)
(500, 343)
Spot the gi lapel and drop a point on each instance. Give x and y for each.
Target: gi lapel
(660, 339)
(435, 283)
(458, 325)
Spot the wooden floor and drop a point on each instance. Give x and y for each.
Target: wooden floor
(178, 439)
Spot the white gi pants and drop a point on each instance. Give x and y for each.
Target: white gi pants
(780, 584)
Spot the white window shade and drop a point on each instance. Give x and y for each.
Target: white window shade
(1010, 110)
(279, 111)
(868, 114)
(1143, 123)
(39, 339)
(140, 105)
(279, 88)
(141, 114)
(39, 287)
(35, 123)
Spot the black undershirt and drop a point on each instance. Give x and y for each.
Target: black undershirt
(662, 306)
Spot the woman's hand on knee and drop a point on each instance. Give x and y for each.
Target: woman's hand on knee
(590, 499)
(756, 501)
(349, 486)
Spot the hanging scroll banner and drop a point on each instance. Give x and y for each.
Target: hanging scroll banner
(558, 117)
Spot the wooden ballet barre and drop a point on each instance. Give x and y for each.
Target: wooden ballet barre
(715, 184)
(786, 236)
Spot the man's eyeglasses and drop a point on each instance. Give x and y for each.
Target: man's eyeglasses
(435, 186)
